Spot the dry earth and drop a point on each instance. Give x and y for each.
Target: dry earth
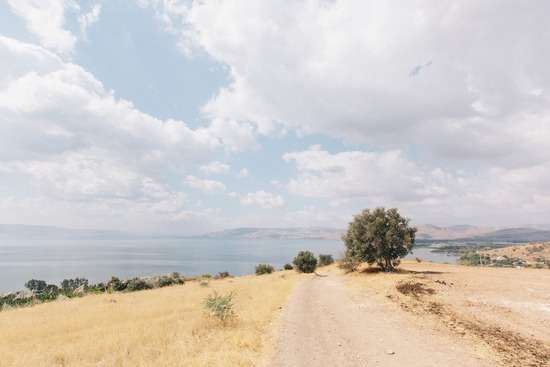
(443, 315)
(532, 252)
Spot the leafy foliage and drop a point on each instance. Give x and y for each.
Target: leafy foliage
(264, 269)
(325, 260)
(137, 284)
(305, 262)
(35, 285)
(221, 307)
(288, 267)
(379, 236)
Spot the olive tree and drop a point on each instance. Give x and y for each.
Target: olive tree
(379, 236)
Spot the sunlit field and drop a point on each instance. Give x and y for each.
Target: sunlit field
(161, 327)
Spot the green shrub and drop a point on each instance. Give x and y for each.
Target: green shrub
(165, 281)
(222, 274)
(264, 269)
(49, 293)
(69, 286)
(206, 276)
(305, 262)
(116, 285)
(35, 285)
(221, 307)
(137, 284)
(288, 267)
(325, 260)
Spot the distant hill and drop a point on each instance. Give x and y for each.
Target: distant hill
(431, 232)
(279, 233)
(32, 232)
(516, 235)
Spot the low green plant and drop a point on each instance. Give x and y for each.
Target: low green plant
(137, 284)
(221, 307)
(222, 274)
(325, 260)
(305, 262)
(288, 267)
(264, 269)
(116, 285)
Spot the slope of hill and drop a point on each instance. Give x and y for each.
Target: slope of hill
(516, 235)
(431, 232)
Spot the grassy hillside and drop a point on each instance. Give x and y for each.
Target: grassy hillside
(161, 327)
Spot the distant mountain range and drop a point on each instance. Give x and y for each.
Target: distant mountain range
(313, 233)
(425, 232)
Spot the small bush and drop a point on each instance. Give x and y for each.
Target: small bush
(222, 274)
(305, 262)
(137, 284)
(206, 276)
(35, 285)
(414, 288)
(288, 267)
(49, 293)
(116, 285)
(221, 307)
(69, 286)
(264, 269)
(166, 281)
(325, 260)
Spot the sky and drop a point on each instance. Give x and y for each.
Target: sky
(182, 117)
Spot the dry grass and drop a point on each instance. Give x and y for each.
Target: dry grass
(161, 327)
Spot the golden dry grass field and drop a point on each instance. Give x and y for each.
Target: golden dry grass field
(161, 327)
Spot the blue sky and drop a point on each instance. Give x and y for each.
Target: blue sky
(184, 117)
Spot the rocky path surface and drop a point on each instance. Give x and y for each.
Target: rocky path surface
(325, 325)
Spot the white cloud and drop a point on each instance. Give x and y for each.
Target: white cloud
(386, 176)
(243, 173)
(261, 198)
(86, 20)
(67, 139)
(215, 168)
(345, 68)
(204, 185)
(45, 19)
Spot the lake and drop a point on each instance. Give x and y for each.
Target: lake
(98, 260)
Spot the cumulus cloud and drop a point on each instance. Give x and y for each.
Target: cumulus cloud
(263, 199)
(388, 74)
(69, 139)
(386, 176)
(204, 185)
(87, 19)
(45, 19)
(215, 168)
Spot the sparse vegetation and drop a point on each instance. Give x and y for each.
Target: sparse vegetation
(413, 288)
(325, 260)
(288, 267)
(222, 275)
(161, 327)
(221, 307)
(305, 262)
(264, 269)
(379, 236)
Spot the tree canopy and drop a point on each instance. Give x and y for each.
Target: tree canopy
(379, 235)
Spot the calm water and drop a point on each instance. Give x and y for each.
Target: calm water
(98, 260)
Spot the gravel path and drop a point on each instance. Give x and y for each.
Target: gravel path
(323, 326)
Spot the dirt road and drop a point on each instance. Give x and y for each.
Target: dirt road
(326, 324)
